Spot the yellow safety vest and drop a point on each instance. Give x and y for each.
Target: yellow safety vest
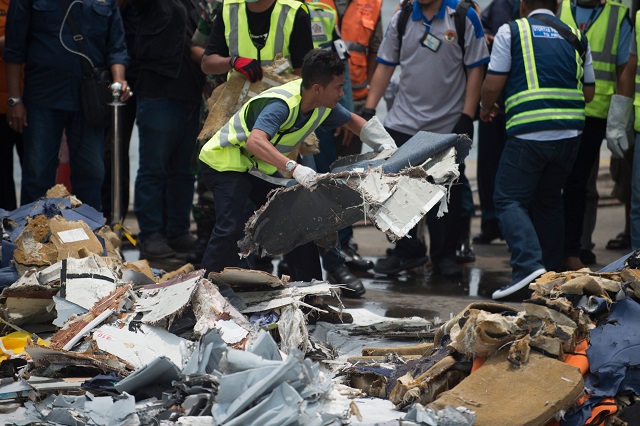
(226, 152)
(236, 30)
(603, 35)
(636, 96)
(323, 22)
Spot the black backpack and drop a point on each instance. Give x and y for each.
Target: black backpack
(406, 8)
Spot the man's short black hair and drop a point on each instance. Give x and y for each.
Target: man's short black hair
(552, 5)
(320, 66)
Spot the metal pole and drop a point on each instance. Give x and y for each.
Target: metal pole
(116, 190)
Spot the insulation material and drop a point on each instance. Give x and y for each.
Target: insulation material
(214, 312)
(166, 301)
(140, 348)
(33, 245)
(483, 333)
(59, 359)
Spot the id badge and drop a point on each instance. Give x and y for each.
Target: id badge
(431, 42)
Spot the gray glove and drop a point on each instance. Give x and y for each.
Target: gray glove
(305, 176)
(619, 118)
(374, 135)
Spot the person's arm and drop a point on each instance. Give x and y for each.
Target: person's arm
(261, 147)
(117, 75)
(472, 91)
(355, 124)
(379, 82)
(300, 40)
(589, 86)
(491, 89)
(216, 55)
(626, 77)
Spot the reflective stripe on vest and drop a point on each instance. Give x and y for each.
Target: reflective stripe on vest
(603, 43)
(536, 106)
(323, 22)
(636, 96)
(356, 28)
(236, 27)
(226, 151)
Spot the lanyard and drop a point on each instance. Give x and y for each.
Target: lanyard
(592, 17)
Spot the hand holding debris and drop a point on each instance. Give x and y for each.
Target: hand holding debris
(374, 134)
(305, 176)
(250, 68)
(617, 121)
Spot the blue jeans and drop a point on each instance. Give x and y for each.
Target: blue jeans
(528, 201)
(42, 139)
(635, 197)
(164, 185)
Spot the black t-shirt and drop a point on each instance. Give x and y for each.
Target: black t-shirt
(300, 41)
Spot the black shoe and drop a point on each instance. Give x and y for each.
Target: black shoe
(465, 254)
(587, 257)
(343, 275)
(183, 243)
(392, 265)
(155, 246)
(484, 238)
(353, 259)
(447, 268)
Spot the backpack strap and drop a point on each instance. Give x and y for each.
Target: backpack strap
(460, 17)
(406, 8)
(566, 33)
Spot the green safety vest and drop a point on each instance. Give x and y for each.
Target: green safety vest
(536, 101)
(636, 96)
(323, 22)
(236, 30)
(603, 35)
(226, 152)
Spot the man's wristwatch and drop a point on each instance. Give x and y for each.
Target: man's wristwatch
(290, 165)
(13, 101)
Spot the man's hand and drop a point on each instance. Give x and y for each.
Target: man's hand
(617, 121)
(250, 68)
(17, 117)
(464, 126)
(304, 175)
(347, 135)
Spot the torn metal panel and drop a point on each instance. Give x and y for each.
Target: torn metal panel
(213, 311)
(239, 277)
(11, 389)
(140, 348)
(421, 148)
(48, 385)
(65, 310)
(166, 301)
(59, 359)
(297, 215)
(78, 327)
(86, 281)
(266, 300)
(159, 370)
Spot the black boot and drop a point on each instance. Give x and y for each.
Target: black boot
(465, 253)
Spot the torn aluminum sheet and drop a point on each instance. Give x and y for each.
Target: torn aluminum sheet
(259, 301)
(75, 329)
(54, 360)
(297, 215)
(239, 277)
(85, 281)
(10, 389)
(66, 310)
(214, 312)
(166, 301)
(159, 370)
(141, 347)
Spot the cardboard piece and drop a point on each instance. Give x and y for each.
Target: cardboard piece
(503, 394)
(73, 239)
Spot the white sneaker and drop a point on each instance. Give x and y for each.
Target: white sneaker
(517, 285)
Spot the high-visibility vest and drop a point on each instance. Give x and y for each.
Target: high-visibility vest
(636, 96)
(544, 89)
(356, 28)
(226, 150)
(323, 22)
(236, 30)
(603, 35)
